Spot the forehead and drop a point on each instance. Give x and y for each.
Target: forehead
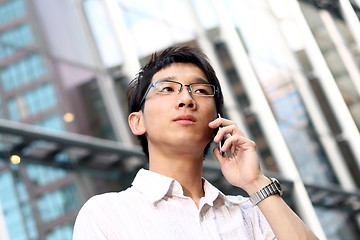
(181, 72)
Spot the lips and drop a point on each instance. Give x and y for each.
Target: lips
(185, 119)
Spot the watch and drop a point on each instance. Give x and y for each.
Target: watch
(273, 188)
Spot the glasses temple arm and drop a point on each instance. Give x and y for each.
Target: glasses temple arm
(147, 91)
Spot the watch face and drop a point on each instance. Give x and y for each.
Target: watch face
(278, 186)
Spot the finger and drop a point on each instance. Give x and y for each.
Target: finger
(215, 123)
(237, 140)
(220, 122)
(218, 155)
(228, 143)
(222, 133)
(227, 132)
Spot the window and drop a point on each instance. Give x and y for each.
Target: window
(32, 102)
(12, 210)
(54, 204)
(15, 38)
(22, 72)
(40, 98)
(61, 232)
(53, 122)
(13, 109)
(44, 175)
(11, 10)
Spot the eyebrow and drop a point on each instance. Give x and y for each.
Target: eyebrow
(201, 80)
(173, 78)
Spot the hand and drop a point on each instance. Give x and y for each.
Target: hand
(241, 168)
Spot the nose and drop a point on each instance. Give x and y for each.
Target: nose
(186, 99)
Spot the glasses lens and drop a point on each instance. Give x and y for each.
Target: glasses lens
(165, 87)
(203, 89)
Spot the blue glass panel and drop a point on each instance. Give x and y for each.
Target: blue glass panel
(13, 110)
(53, 122)
(10, 204)
(40, 98)
(42, 175)
(57, 203)
(61, 233)
(11, 10)
(32, 102)
(22, 72)
(14, 39)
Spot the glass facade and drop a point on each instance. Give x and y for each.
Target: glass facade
(16, 208)
(41, 176)
(32, 195)
(22, 72)
(32, 102)
(61, 232)
(15, 39)
(54, 122)
(11, 10)
(324, 29)
(57, 203)
(272, 67)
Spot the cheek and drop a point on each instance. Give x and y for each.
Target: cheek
(153, 115)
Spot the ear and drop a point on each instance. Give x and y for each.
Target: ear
(136, 123)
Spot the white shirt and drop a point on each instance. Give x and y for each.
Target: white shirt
(156, 208)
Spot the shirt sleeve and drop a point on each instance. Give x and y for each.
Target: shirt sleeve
(92, 223)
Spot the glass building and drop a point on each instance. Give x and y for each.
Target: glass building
(290, 73)
(43, 69)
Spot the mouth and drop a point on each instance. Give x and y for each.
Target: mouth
(185, 119)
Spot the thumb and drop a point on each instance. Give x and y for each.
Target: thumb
(218, 155)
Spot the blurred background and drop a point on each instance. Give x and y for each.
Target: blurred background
(290, 73)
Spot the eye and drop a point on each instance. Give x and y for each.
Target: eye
(166, 90)
(166, 87)
(200, 91)
(203, 90)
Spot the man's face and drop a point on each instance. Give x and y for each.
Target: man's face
(179, 119)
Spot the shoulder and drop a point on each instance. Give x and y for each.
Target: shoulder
(96, 218)
(99, 214)
(111, 200)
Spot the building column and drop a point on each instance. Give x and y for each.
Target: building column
(261, 107)
(350, 132)
(321, 126)
(342, 49)
(351, 19)
(105, 83)
(131, 64)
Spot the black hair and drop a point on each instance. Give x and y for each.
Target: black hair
(138, 86)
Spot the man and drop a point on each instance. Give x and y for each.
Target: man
(174, 104)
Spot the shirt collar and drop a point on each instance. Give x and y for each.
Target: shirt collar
(155, 186)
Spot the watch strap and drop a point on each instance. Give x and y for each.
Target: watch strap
(273, 188)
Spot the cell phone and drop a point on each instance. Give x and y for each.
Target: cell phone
(221, 143)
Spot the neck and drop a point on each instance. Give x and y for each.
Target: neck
(185, 168)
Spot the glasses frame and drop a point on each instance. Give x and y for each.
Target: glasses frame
(216, 89)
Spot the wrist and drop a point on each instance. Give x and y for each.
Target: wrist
(257, 185)
(272, 188)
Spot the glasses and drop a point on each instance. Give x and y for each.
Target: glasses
(168, 87)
